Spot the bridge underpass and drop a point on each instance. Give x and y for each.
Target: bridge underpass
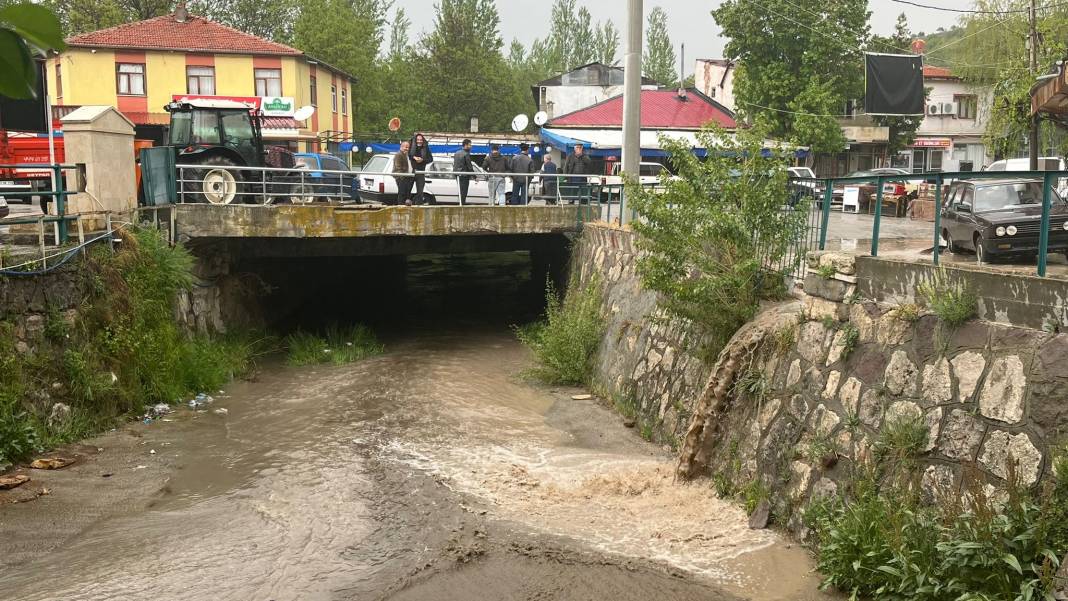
(286, 267)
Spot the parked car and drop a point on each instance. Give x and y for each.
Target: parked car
(799, 189)
(337, 187)
(997, 218)
(1044, 164)
(4, 209)
(868, 189)
(377, 184)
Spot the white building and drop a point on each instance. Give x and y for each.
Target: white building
(585, 86)
(714, 77)
(950, 138)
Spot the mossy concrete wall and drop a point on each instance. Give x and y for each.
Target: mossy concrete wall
(323, 221)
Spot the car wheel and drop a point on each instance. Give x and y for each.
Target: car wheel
(429, 199)
(952, 246)
(980, 252)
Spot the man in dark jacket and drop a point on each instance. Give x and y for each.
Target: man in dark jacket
(577, 164)
(419, 153)
(495, 163)
(461, 162)
(521, 166)
(548, 183)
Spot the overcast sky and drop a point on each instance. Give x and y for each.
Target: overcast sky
(690, 21)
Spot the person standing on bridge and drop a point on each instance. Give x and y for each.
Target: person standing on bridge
(577, 163)
(402, 173)
(461, 163)
(419, 154)
(548, 181)
(521, 166)
(495, 163)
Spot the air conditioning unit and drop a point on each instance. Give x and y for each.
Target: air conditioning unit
(934, 109)
(949, 108)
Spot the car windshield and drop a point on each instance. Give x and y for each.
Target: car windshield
(803, 172)
(1003, 196)
(376, 164)
(648, 170)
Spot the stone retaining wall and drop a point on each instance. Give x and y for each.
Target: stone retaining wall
(28, 302)
(646, 361)
(829, 382)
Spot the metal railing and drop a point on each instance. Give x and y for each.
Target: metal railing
(59, 195)
(877, 201)
(232, 184)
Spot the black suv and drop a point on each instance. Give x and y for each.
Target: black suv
(1000, 218)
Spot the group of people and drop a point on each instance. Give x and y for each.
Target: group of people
(414, 157)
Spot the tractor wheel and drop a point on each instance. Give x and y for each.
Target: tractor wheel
(218, 182)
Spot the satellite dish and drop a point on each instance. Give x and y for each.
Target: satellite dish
(394, 124)
(520, 122)
(540, 118)
(304, 113)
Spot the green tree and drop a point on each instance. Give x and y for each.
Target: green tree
(398, 34)
(582, 32)
(273, 20)
(659, 60)
(348, 34)
(81, 16)
(798, 63)
(606, 43)
(902, 129)
(989, 51)
(463, 72)
(26, 30)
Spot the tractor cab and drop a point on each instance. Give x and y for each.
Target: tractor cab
(210, 127)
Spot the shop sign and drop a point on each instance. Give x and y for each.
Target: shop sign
(932, 143)
(277, 106)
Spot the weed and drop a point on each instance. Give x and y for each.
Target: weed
(18, 437)
(829, 322)
(565, 343)
(754, 384)
(784, 340)
(952, 302)
(821, 450)
(647, 431)
(850, 337)
(901, 441)
(723, 485)
(336, 345)
(909, 312)
(826, 272)
(55, 328)
(753, 493)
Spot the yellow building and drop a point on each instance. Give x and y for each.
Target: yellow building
(140, 67)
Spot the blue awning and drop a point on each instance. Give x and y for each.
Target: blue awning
(506, 149)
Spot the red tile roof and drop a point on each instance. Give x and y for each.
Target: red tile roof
(195, 34)
(932, 72)
(661, 109)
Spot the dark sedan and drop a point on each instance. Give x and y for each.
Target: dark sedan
(330, 177)
(1001, 218)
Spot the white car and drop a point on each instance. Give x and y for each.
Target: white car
(1044, 164)
(648, 174)
(377, 184)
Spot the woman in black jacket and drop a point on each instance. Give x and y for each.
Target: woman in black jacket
(421, 158)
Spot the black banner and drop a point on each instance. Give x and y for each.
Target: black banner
(893, 84)
(26, 115)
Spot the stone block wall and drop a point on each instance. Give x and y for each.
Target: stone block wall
(28, 302)
(646, 360)
(836, 379)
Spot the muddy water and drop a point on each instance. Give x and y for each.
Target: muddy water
(432, 472)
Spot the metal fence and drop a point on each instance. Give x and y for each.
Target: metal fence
(230, 184)
(1038, 222)
(59, 221)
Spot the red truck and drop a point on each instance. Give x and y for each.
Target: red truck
(20, 148)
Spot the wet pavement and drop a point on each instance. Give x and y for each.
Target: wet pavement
(432, 472)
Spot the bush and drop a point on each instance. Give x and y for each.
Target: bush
(884, 545)
(711, 233)
(337, 345)
(952, 302)
(566, 341)
(18, 437)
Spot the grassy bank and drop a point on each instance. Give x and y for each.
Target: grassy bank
(122, 352)
(565, 342)
(336, 345)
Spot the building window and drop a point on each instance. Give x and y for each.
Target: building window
(967, 106)
(314, 92)
(130, 79)
(333, 97)
(268, 82)
(59, 80)
(200, 80)
(344, 101)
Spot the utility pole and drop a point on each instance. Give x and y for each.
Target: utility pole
(632, 96)
(1032, 55)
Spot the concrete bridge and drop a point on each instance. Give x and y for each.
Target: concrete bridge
(309, 230)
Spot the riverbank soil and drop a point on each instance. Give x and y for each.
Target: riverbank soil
(432, 472)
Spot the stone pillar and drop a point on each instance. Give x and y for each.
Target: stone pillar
(102, 139)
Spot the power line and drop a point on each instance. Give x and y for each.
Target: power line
(789, 112)
(973, 11)
(962, 38)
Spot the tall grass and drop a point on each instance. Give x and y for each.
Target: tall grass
(953, 302)
(123, 352)
(337, 345)
(565, 342)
